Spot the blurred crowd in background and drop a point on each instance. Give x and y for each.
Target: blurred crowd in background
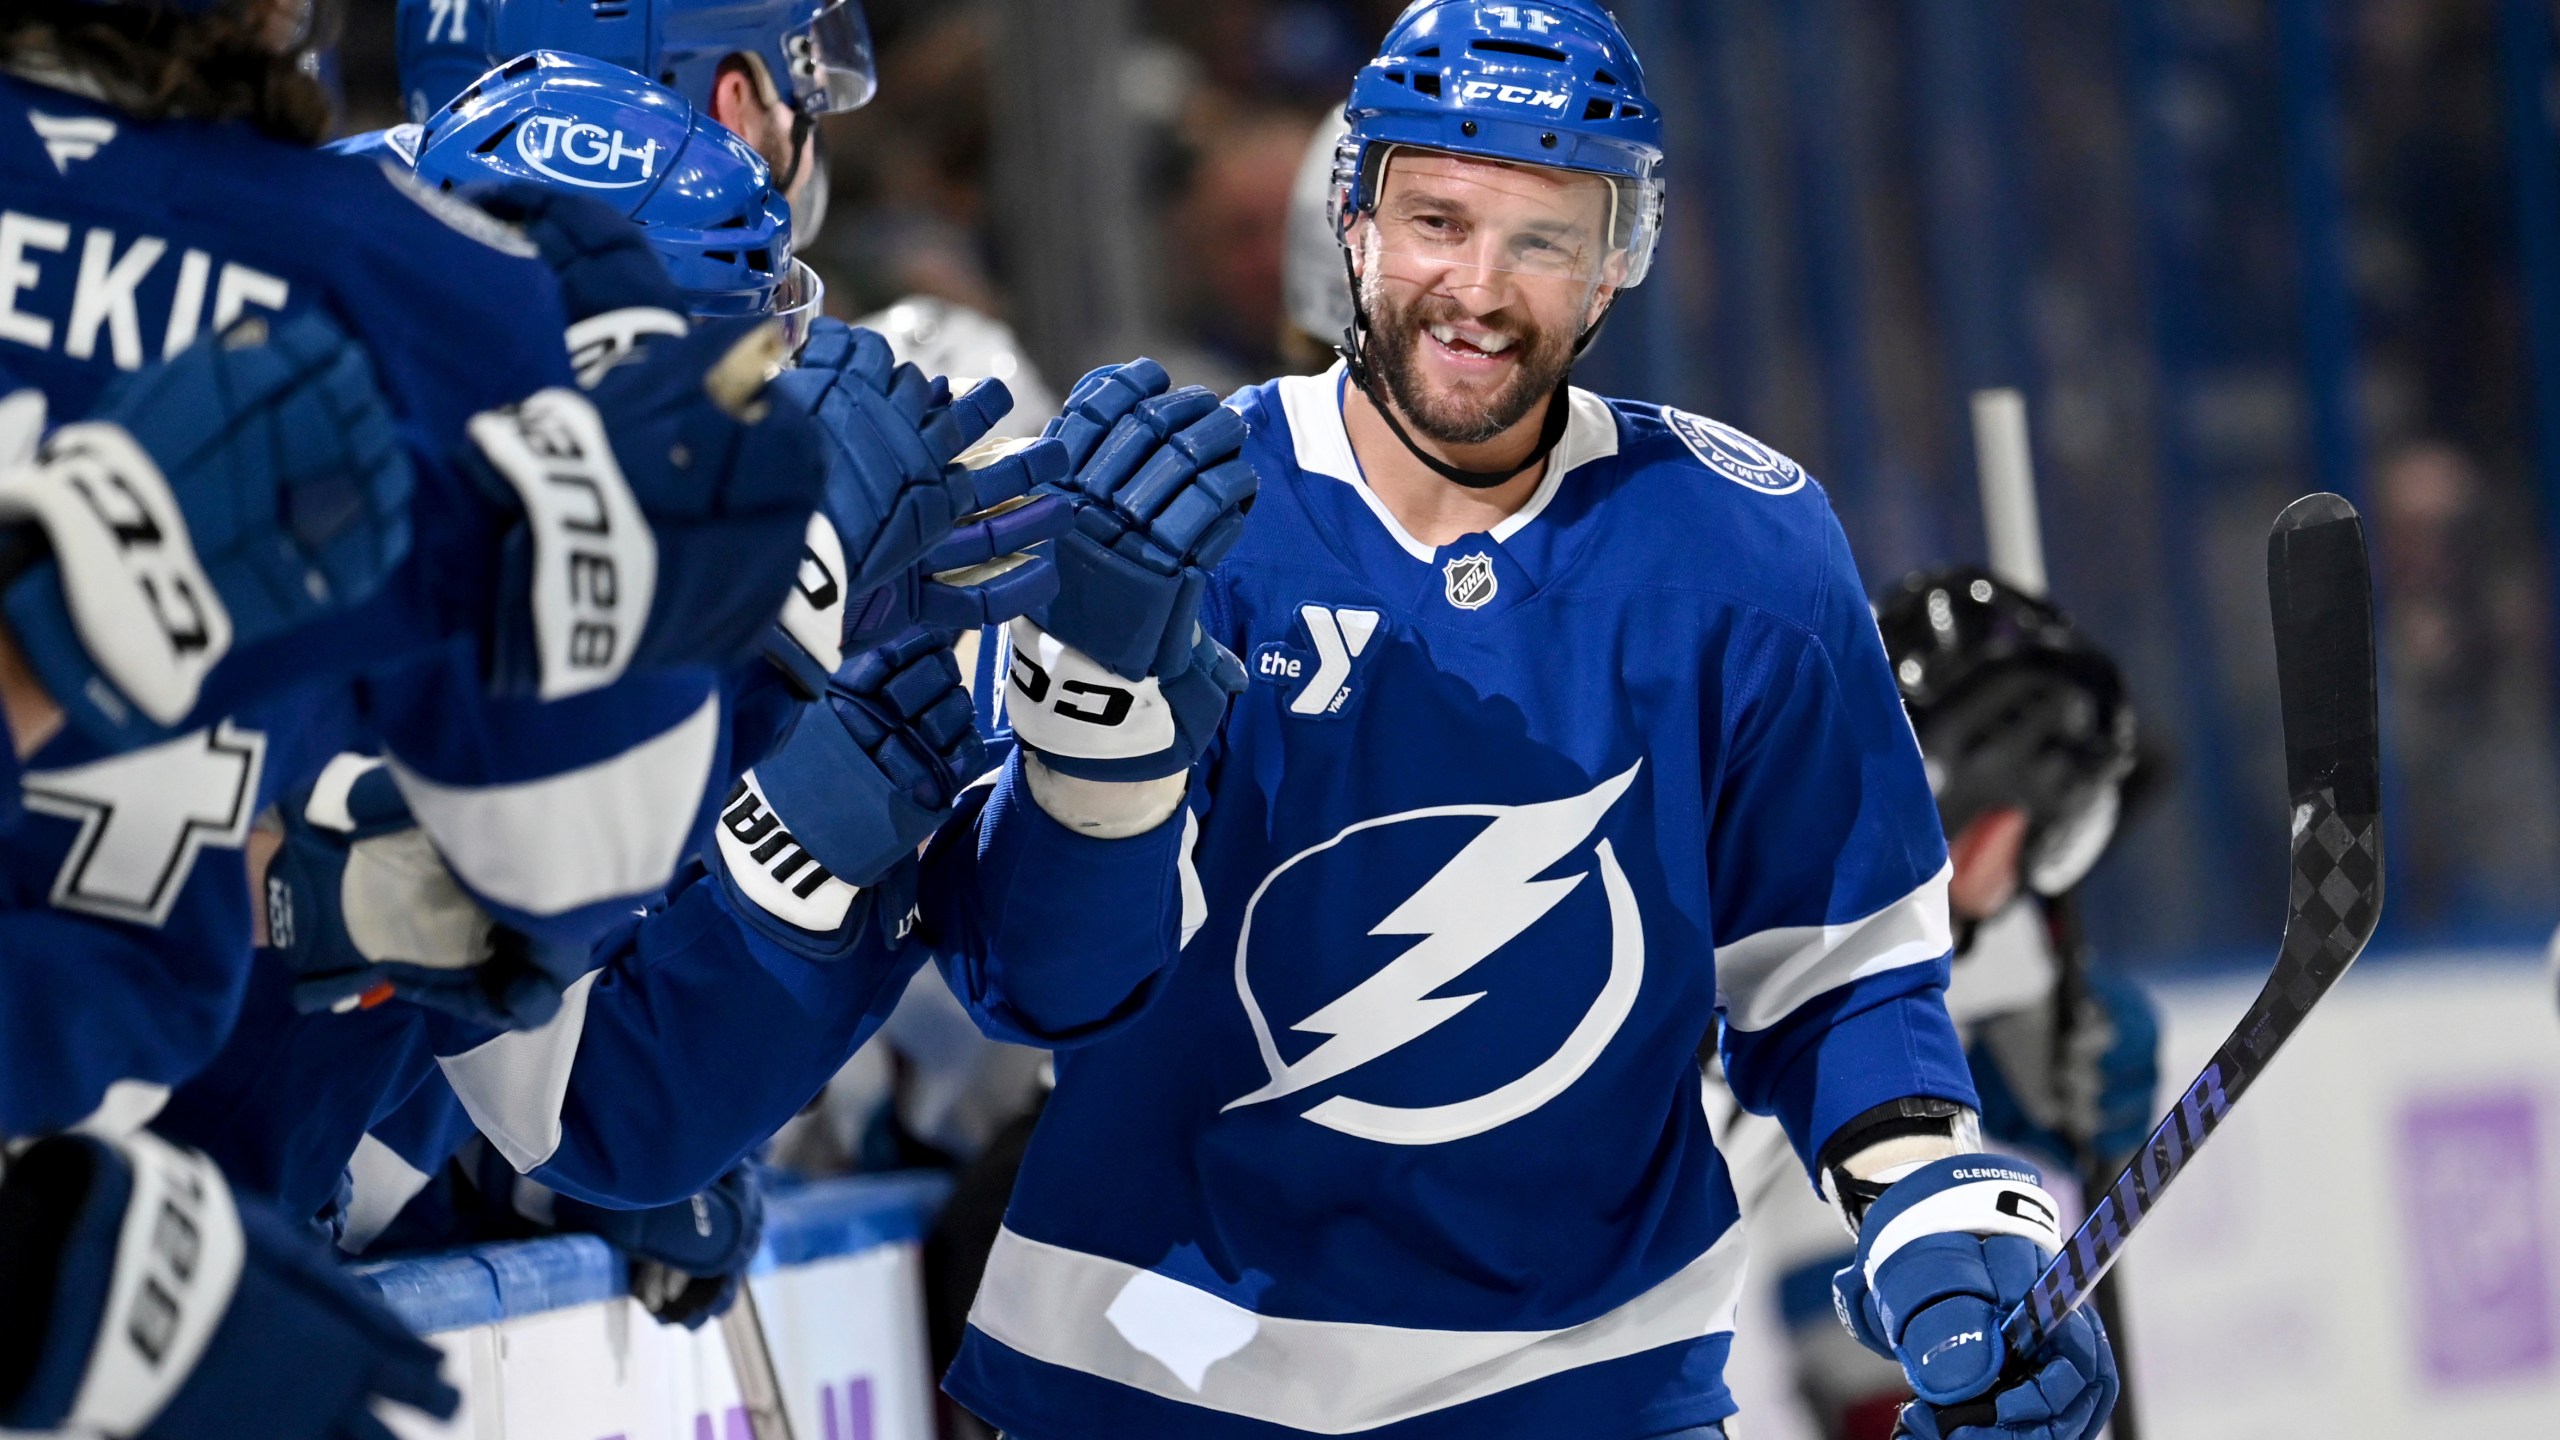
(2233, 250)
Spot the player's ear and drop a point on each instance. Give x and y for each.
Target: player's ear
(1985, 854)
(735, 101)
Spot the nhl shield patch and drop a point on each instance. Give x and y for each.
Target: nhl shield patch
(1471, 580)
(1734, 455)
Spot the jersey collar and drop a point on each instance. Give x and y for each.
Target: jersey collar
(1313, 404)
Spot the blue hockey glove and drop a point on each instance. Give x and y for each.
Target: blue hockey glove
(686, 1259)
(2094, 1096)
(980, 572)
(227, 497)
(616, 291)
(659, 519)
(1085, 721)
(361, 907)
(865, 776)
(1160, 492)
(138, 1298)
(1942, 1256)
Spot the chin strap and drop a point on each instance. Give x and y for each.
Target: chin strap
(1355, 355)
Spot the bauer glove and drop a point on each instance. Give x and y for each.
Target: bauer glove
(651, 524)
(167, 1310)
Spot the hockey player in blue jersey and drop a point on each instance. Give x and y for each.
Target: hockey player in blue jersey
(1568, 745)
(769, 70)
(168, 139)
(2033, 749)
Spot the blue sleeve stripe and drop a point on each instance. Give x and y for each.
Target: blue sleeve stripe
(1762, 978)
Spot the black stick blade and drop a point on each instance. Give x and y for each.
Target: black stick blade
(2322, 595)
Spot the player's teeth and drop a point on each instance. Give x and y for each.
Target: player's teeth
(1489, 344)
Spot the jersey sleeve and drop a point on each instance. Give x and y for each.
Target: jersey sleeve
(90, 1008)
(1048, 937)
(693, 1040)
(1830, 878)
(559, 817)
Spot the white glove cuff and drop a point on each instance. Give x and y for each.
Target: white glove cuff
(595, 562)
(1062, 701)
(145, 610)
(179, 1255)
(1104, 809)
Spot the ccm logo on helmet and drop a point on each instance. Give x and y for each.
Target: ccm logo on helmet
(1512, 94)
(543, 140)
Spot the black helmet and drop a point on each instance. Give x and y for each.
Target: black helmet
(2013, 707)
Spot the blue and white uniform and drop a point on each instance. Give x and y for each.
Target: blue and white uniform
(126, 916)
(1408, 1140)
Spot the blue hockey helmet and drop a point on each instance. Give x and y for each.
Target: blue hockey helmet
(814, 54)
(704, 198)
(1552, 84)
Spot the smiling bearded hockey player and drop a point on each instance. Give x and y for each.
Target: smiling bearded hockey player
(1567, 732)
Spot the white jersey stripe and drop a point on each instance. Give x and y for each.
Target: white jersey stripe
(514, 1085)
(1173, 1340)
(612, 830)
(1762, 978)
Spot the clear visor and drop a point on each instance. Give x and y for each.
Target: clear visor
(831, 65)
(1442, 219)
(798, 302)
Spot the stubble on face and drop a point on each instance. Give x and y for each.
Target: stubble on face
(1462, 415)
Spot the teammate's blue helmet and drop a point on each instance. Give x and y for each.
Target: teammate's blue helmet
(1553, 84)
(815, 53)
(702, 195)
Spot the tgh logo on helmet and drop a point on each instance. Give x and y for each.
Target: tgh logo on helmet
(572, 151)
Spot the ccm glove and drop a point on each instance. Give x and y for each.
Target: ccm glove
(686, 1259)
(1160, 493)
(362, 907)
(653, 523)
(1087, 722)
(249, 486)
(139, 1299)
(1943, 1255)
(866, 775)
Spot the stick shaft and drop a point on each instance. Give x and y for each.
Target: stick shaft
(751, 1360)
(2006, 463)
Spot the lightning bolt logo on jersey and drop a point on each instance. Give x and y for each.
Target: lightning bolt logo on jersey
(1500, 831)
(1468, 912)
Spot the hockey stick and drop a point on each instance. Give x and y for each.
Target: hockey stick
(2322, 597)
(751, 1360)
(2004, 461)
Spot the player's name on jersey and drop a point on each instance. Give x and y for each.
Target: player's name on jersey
(89, 290)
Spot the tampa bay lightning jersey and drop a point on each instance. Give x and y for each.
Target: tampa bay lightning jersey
(124, 917)
(1409, 1141)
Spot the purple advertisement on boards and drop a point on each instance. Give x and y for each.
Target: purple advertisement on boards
(2480, 1216)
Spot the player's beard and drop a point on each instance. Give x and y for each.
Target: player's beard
(1457, 417)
